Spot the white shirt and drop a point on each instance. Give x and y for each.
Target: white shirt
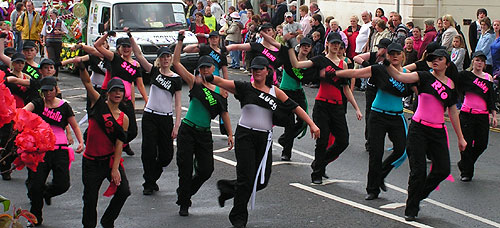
(362, 38)
(63, 27)
(305, 22)
(216, 10)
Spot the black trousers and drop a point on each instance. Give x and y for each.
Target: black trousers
(5, 132)
(93, 174)
(54, 48)
(56, 161)
(424, 140)
(476, 129)
(370, 94)
(157, 146)
(128, 108)
(250, 147)
(287, 138)
(330, 118)
(198, 143)
(382, 124)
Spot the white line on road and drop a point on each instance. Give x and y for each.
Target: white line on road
(357, 205)
(69, 89)
(76, 96)
(289, 163)
(227, 161)
(392, 205)
(222, 150)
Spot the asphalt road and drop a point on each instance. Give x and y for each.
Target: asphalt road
(289, 200)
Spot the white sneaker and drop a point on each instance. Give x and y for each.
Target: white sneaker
(242, 69)
(246, 71)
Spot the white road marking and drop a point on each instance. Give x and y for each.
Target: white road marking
(357, 205)
(227, 161)
(69, 89)
(222, 150)
(289, 163)
(393, 205)
(76, 96)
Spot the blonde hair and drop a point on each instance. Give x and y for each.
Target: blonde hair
(409, 39)
(355, 18)
(304, 8)
(449, 18)
(462, 41)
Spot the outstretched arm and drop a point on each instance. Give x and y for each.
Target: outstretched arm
(270, 40)
(295, 62)
(362, 59)
(18, 81)
(99, 45)
(192, 48)
(140, 57)
(358, 73)
(5, 59)
(223, 83)
(239, 47)
(411, 67)
(92, 94)
(402, 77)
(176, 62)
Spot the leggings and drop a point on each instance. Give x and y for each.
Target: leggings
(475, 128)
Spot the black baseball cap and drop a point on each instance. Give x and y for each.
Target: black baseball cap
(334, 37)
(29, 45)
(123, 41)
(265, 26)
(384, 43)
(479, 54)
(305, 40)
(438, 53)
(163, 50)
(394, 47)
(213, 33)
(9, 51)
(47, 62)
(48, 83)
(259, 62)
(18, 57)
(431, 47)
(205, 61)
(115, 83)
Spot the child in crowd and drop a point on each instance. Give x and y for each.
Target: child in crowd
(299, 38)
(410, 53)
(5, 28)
(458, 52)
(279, 34)
(318, 46)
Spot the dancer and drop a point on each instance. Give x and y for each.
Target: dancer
(479, 102)
(427, 133)
(129, 71)
(195, 137)
(386, 118)
(259, 99)
(102, 158)
(58, 114)
(158, 129)
(329, 110)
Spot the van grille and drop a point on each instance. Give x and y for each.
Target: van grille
(149, 49)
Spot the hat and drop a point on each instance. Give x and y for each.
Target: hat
(294, 3)
(48, 83)
(115, 83)
(265, 26)
(383, 43)
(29, 45)
(438, 53)
(47, 62)
(305, 40)
(9, 51)
(122, 41)
(394, 47)
(288, 14)
(479, 54)
(18, 57)
(205, 61)
(259, 62)
(163, 50)
(213, 33)
(235, 15)
(334, 37)
(431, 47)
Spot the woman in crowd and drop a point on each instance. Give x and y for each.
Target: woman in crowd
(352, 32)
(199, 28)
(380, 13)
(58, 114)
(440, 29)
(427, 134)
(195, 137)
(479, 102)
(305, 19)
(417, 38)
(495, 48)
(158, 128)
(259, 99)
(485, 41)
(449, 32)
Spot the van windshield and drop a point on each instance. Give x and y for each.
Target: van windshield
(147, 16)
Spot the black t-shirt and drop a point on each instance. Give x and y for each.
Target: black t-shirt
(275, 58)
(32, 71)
(171, 84)
(302, 75)
(247, 94)
(451, 70)
(124, 70)
(219, 58)
(469, 82)
(431, 85)
(98, 65)
(382, 80)
(53, 116)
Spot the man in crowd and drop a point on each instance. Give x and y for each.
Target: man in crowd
(279, 16)
(400, 31)
(364, 32)
(30, 24)
(216, 10)
(291, 27)
(475, 29)
(293, 9)
(314, 9)
(13, 20)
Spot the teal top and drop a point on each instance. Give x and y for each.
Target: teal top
(288, 83)
(387, 102)
(197, 113)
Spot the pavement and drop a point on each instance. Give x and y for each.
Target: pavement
(290, 200)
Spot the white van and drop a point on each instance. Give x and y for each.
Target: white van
(153, 24)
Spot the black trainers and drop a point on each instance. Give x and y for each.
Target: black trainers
(371, 196)
(128, 150)
(383, 187)
(183, 211)
(324, 175)
(48, 200)
(6, 176)
(147, 191)
(466, 179)
(410, 218)
(316, 180)
(285, 158)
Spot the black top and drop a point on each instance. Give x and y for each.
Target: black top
(102, 115)
(171, 84)
(431, 85)
(469, 82)
(219, 58)
(275, 58)
(53, 116)
(124, 70)
(212, 101)
(32, 71)
(383, 81)
(303, 75)
(451, 70)
(97, 65)
(247, 94)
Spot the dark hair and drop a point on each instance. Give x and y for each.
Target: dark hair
(410, 23)
(317, 17)
(256, 19)
(232, 8)
(381, 24)
(481, 10)
(242, 6)
(263, 7)
(19, 6)
(270, 77)
(487, 21)
(382, 10)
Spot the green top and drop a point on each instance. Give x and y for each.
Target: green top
(288, 83)
(197, 113)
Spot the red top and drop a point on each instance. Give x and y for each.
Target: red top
(201, 29)
(329, 92)
(351, 39)
(98, 144)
